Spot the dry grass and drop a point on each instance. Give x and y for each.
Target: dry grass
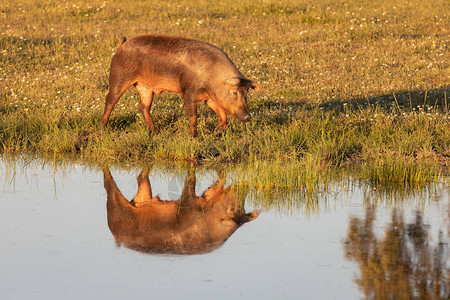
(354, 84)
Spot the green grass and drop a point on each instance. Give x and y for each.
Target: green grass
(351, 86)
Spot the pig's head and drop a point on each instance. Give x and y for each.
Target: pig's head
(224, 212)
(233, 97)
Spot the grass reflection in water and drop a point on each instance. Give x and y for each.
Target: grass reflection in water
(403, 264)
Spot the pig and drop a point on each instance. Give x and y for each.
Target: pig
(191, 225)
(197, 70)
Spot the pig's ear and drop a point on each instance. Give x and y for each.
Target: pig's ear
(256, 87)
(252, 215)
(233, 81)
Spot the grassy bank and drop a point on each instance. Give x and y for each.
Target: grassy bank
(351, 85)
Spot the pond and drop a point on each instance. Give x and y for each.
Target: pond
(70, 232)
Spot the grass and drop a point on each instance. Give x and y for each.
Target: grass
(351, 86)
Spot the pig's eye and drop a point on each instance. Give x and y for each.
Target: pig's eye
(234, 93)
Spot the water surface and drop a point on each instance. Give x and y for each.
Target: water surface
(57, 242)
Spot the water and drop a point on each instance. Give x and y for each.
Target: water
(57, 241)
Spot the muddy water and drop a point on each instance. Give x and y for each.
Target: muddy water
(65, 236)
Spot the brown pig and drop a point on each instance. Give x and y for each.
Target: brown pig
(191, 225)
(197, 70)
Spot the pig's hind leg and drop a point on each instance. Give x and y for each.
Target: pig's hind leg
(190, 105)
(144, 194)
(145, 104)
(115, 91)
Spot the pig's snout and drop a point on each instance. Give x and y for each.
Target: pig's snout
(246, 118)
(243, 116)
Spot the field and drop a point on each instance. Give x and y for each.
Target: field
(354, 87)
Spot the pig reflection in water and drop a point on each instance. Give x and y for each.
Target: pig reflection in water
(191, 225)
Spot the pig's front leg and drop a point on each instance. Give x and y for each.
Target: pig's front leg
(221, 115)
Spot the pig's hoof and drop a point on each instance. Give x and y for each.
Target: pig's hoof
(153, 132)
(219, 132)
